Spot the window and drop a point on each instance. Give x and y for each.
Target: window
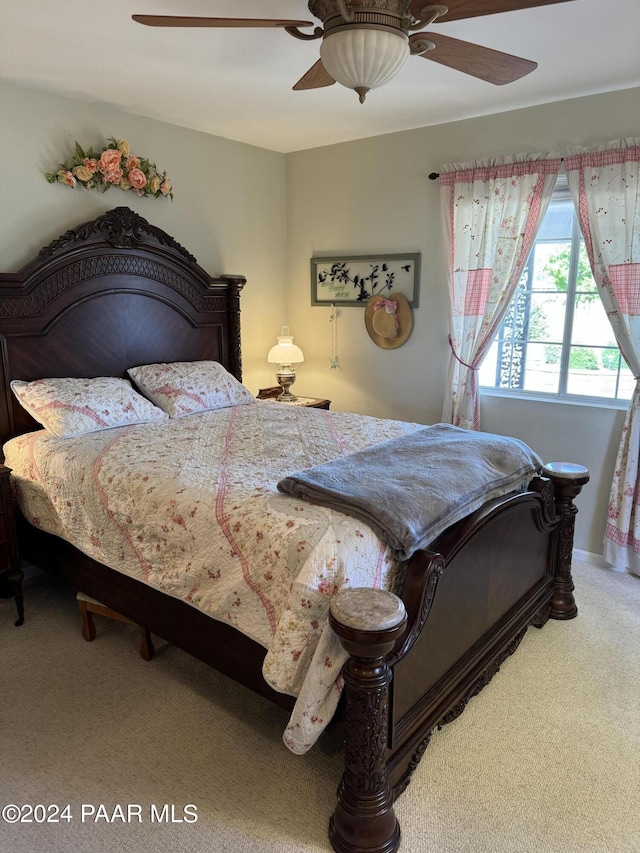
(556, 340)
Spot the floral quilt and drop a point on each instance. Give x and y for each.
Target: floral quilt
(190, 507)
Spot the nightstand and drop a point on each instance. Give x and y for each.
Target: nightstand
(308, 402)
(10, 573)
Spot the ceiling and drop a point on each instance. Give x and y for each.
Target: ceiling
(236, 83)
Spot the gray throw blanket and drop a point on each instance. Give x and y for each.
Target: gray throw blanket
(410, 489)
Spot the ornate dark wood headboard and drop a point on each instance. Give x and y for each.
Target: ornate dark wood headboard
(111, 294)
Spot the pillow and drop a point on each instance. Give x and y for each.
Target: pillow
(185, 387)
(67, 407)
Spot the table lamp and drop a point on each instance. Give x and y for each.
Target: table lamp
(285, 354)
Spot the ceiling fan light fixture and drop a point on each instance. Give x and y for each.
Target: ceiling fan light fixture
(364, 58)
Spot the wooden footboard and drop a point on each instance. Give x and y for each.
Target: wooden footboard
(468, 604)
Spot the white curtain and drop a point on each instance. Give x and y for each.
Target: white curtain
(605, 185)
(491, 211)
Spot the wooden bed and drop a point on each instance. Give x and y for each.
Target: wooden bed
(117, 292)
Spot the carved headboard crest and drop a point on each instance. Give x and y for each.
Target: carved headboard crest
(122, 227)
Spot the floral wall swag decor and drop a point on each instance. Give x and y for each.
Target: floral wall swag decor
(115, 166)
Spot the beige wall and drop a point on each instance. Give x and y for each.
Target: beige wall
(374, 195)
(228, 210)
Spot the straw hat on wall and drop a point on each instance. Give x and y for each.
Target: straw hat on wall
(389, 321)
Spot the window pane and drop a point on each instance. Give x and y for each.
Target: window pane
(558, 221)
(590, 322)
(487, 370)
(611, 359)
(546, 318)
(585, 282)
(586, 375)
(542, 370)
(627, 382)
(551, 266)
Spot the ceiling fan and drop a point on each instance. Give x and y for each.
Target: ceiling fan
(365, 43)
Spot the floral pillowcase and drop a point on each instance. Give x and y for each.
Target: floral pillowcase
(186, 387)
(66, 407)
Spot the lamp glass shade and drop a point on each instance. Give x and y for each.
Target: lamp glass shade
(285, 351)
(363, 58)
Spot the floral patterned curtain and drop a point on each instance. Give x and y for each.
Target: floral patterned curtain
(491, 212)
(605, 185)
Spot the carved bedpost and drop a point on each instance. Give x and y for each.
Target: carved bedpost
(235, 285)
(368, 623)
(568, 480)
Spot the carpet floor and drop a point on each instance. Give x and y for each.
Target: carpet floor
(545, 760)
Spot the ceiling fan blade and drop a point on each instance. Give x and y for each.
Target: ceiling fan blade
(315, 78)
(460, 9)
(482, 62)
(183, 21)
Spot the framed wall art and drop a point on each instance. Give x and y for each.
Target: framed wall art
(354, 279)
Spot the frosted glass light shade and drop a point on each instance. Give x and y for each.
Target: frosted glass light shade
(285, 351)
(363, 58)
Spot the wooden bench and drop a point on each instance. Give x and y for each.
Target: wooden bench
(88, 606)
